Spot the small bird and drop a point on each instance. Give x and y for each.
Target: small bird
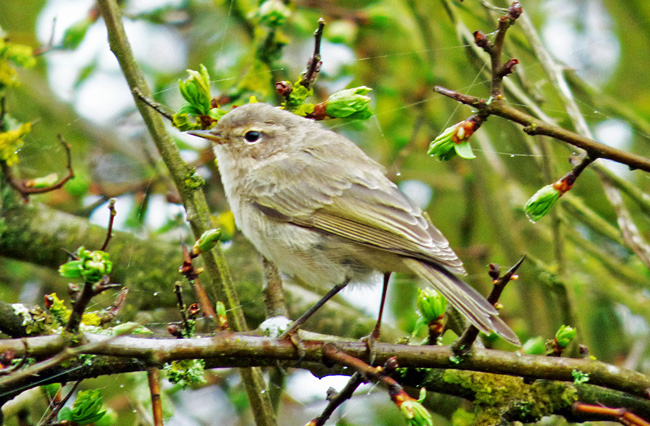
(317, 206)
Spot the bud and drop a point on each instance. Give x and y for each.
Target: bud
(183, 122)
(273, 13)
(43, 182)
(207, 240)
(89, 265)
(431, 304)
(534, 346)
(565, 335)
(541, 202)
(87, 408)
(454, 141)
(412, 409)
(349, 103)
(222, 317)
(75, 34)
(196, 92)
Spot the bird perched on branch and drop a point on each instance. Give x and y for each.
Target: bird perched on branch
(314, 204)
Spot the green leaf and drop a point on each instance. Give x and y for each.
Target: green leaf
(464, 150)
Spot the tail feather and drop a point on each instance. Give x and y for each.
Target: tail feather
(464, 298)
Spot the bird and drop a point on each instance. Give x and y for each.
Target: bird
(312, 202)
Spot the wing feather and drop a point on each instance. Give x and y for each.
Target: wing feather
(347, 195)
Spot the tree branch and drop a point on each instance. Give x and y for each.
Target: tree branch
(534, 126)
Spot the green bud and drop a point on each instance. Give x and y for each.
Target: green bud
(565, 335)
(431, 304)
(540, 203)
(19, 54)
(75, 34)
(412, 409)
(273, 13)
(90, 265)
(186, 372)
(110, 418)
(196, 92)
(71, 269)
(85, 410)
(207, 240)
(182, 121)
(349, 103)
(454, 141)
(43, 182)
(222, 316)
(579, 377)
(443, 145)
(534, 346)
(217, 113)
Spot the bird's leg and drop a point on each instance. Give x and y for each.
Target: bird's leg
(374, 336)
(304, 317)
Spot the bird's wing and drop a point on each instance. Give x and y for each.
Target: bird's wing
(351, 198)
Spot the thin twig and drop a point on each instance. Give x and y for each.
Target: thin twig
(178, 289)
(26, 188)
(89, 290)
(335, 400)
(153, 376)
(314, 64)
(61, 356)
(60, 404)
(190, 273)
(152, 104)
(464, 343)
(534, 126)
(111, 220)
(620, 414)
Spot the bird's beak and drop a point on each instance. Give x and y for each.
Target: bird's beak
(209, 135)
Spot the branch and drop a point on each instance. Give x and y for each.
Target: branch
(28, 187)
(198, 213)
(237, 349)
(534, 126)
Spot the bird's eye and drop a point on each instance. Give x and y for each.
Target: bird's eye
(252, 136)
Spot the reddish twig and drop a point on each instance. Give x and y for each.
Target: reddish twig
(58, 405)
(621, 415)
(112, 311)
(464, 343)
(190, 273)
(82, 299)
(153, 376)
(314, 63)
(111, 219)
(26, 187)
(178, 289)
(499, 70)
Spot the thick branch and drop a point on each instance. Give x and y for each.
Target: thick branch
(194, 201)
(238, 349)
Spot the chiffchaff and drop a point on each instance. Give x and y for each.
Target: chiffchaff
(314, 204)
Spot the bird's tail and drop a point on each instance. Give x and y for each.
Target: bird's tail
(464, 298)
